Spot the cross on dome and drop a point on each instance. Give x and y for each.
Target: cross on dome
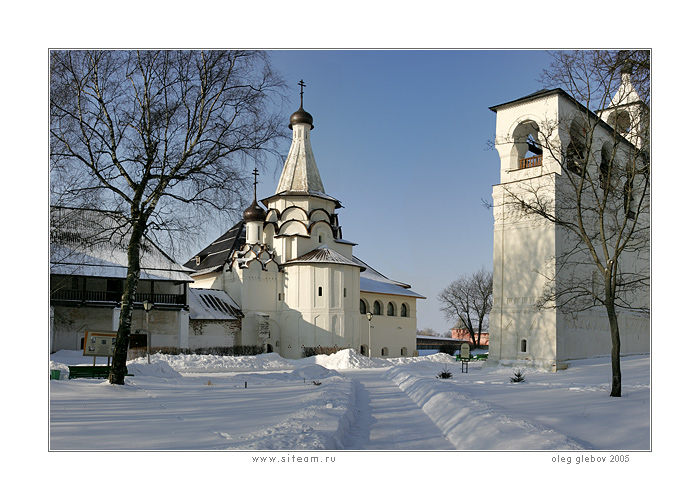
(255, 183)
(302, 85)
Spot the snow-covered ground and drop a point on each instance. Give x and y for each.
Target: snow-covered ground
(346, 401)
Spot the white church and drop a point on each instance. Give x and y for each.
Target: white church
(532, 254)
(294, 277)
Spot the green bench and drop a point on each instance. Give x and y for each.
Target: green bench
(84, 371)
(478, 357)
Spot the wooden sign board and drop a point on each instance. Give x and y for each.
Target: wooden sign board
(99, 344)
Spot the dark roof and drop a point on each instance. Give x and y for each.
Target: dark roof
(531, 97)
(215, 255)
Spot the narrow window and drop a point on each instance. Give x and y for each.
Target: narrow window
(377, 308)
(390, 309)
(523, 345)
(404, 311)
(320, 291)
(363, 307)
(345, 292)
(385, 351)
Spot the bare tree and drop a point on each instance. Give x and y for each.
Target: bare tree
(602, 152)
(469, 299)
(158, 136)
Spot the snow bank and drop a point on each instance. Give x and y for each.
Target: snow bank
(206, 363)
(471, 424)
(157, 368)
(346, 359)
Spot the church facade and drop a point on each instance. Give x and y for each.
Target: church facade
(536, 139)
(294, 277)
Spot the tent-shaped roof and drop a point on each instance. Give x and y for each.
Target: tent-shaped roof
(324, 255)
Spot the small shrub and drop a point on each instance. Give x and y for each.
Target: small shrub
(519, 376)
(445, 373)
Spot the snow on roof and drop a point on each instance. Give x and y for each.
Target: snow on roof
(211, 304)
(112, 263)
(93, 243)
(324, 255)
(372, 281)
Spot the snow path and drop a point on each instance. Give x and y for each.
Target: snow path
(387, 419)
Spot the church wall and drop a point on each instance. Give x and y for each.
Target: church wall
(523, 248)
(258, 295)
(213, 280)
(213, 333)
(318, 308)
(395, 333)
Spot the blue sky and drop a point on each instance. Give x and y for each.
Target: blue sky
(401, 139)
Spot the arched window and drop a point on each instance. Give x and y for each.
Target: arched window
(385, 351)
(363, 307)
(404, 310)
(527, 149)
(576, 151)
(523, 345)
(404, 351)
(620, 120)
(377, 308)
(605, 167)
(390, 309)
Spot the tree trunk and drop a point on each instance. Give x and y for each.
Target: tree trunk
(616, 390)
(121, 347)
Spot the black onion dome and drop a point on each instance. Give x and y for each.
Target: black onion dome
(301, 116)
(254, 213)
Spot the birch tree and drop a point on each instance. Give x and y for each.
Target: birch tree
(158, 136)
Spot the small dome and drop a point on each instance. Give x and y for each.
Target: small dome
(301, 116)
(254, 213)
